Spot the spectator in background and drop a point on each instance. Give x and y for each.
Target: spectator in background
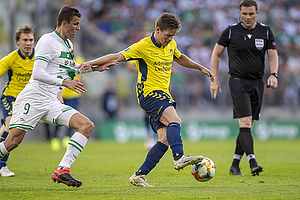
(110, 102)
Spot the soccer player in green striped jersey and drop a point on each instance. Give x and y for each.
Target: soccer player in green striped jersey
(54, 69)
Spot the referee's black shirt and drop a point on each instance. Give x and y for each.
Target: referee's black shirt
(246, 49)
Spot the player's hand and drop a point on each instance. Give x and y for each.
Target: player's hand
(85, 66)
(272, 82)
(208, 73)
(103, 67)
(74, 85)
(214, 88)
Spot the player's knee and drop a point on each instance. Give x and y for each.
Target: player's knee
(245, 122)
(178, 120)
(87, 126)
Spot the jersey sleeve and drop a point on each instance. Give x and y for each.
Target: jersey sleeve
(224, 40)
(271, 40)
(132, 52)
(43, 56)
(5, 62)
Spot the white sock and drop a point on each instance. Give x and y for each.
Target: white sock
(75, 146)
(3, 150)
(250, 156)
(237, 157)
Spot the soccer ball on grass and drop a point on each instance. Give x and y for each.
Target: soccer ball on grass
(204, 170)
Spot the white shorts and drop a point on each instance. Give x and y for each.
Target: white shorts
(33, 105)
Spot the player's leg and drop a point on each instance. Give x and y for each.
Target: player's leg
(152, 159)
(241, 108)
(83, 127)
(4, 171)
(6, 107)
(74, 103)
(238, 154)
(247, 103)
(151, 135)
(170, 118)
(13, 139)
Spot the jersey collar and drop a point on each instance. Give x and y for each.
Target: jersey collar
(23, 57)
(65, 41)
(153, 40)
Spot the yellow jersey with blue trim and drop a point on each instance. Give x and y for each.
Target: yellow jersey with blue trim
(19, 69)
(154, 63)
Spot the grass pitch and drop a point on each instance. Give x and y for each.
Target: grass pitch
(104, 169)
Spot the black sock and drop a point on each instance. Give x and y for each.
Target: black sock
(253, 163)
(246, 140)
(236, 162)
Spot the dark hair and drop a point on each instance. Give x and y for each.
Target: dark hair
(26, 28)
(67, 13)
(248, 3)
(168, 21)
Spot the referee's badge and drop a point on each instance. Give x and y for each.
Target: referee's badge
(259, 43)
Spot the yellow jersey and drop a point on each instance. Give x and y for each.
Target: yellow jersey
(154, 63)
(19, 69)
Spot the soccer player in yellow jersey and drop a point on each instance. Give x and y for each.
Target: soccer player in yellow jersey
(18, 65)
(154, 56)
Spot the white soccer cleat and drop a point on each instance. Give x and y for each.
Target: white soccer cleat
(5, 172)
(185, 161)
(139, 181)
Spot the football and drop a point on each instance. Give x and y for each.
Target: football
(204, 171)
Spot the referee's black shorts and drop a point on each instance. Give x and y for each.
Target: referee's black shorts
(247, 96)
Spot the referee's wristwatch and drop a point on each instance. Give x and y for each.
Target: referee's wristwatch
(274, 74)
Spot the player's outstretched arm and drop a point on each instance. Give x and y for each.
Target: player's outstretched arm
(103, 63)
(185, 61)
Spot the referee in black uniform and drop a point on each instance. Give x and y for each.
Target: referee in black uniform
(246, 42)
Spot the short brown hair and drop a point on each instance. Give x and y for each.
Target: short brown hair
(248, 3)
(168, 21)
(67, 13)
(26, 28)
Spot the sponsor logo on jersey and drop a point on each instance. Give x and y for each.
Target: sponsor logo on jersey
(162, 66)
(259, 43)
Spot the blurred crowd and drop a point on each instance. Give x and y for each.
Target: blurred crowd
(127, 21)
(202, 23)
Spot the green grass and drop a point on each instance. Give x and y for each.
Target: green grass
(104, 169)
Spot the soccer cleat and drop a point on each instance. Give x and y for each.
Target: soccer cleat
(235, 170)
(256, 170)
(139, 181)
(5, 172)
(64, 176)
(185, 161)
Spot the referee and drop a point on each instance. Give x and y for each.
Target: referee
(246, 42)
